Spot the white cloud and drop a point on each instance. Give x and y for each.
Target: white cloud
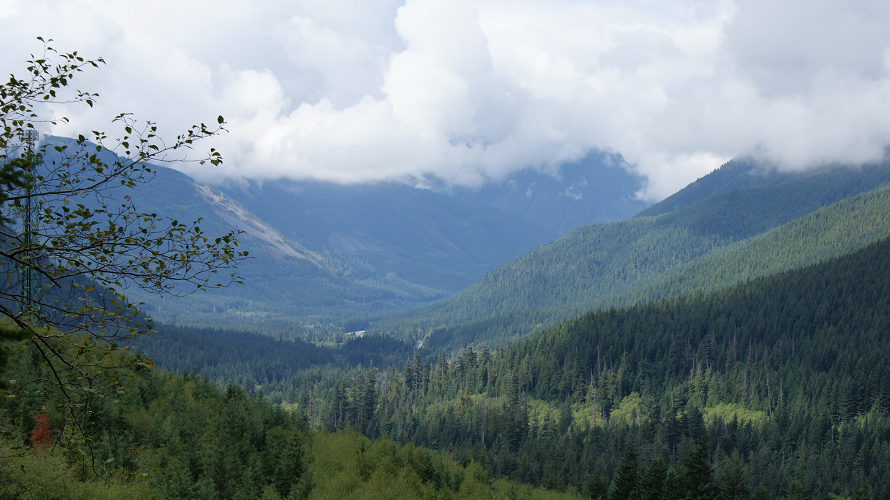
(362, 90)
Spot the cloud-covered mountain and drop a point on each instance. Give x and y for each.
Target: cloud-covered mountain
(741, 221)
(333, 252)
(473, 91)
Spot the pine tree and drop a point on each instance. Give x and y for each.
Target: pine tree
(9, 335)
(761, 494)
(596, 487)
(797, 490)
(652, 482)
(732, 481)
(863, 491)
(699, 478)
(624, 486)
(340, 406)
(513, 413)
(179, 483)
(369, 398)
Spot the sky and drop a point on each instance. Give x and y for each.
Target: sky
(468, 92)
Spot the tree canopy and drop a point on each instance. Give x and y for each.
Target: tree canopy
(72, 242)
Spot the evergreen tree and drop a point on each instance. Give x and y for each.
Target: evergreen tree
(797, 490)
(761, 494)
(699, 479)
(596, 487)
(863, 491)
(515, 420)
(179, 483)
(9, 335)
(369, 398)
(624, 486)
(674, 486)
(732, 481)
(652, 482)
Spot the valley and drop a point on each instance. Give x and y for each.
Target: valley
(730, 327)
(733, 322)
(445, 250)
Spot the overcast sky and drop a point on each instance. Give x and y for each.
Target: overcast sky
(469, 91)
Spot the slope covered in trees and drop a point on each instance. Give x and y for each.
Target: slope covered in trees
(739, 173)
(775, 387)
(174, 437)
(829, 232)
(323, 252)
(787, 376)
(642, 258)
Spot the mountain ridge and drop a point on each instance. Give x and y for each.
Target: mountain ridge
(620, 259)
(323, 254)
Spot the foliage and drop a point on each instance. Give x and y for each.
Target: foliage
(182, 436)
(347, 465)
(825, 233)
(174, 437)
(46, 476)
(787, 366)
(74, 241)
(42, 434)
(625, 486)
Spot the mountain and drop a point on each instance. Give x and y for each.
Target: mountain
(444, 238)
(597, 188)
(609, 264)
(739, 173)
(325, 255)
(790, 364)
(424, 237)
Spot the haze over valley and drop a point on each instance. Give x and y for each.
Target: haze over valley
(445, 249)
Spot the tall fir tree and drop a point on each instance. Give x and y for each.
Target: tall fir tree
(699, 477)
(624, 485)
(596, 487)
(652, 481)
(732, 481)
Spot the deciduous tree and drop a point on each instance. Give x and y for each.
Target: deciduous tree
(72, 242)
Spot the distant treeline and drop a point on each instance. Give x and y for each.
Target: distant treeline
(259, 362)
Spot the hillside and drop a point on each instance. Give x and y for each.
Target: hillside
(739, 173)
(791, 365)
(443, 237)
(325, 255)
(601, 263)
(182, 437)
(829, 232)
(426, 238)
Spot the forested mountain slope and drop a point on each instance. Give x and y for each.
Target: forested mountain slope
(442, 238)
(182, 437)
(829, 232)
(602, 262)
(279, 274)
(324, 254)
(787, 375)
(739, 173)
